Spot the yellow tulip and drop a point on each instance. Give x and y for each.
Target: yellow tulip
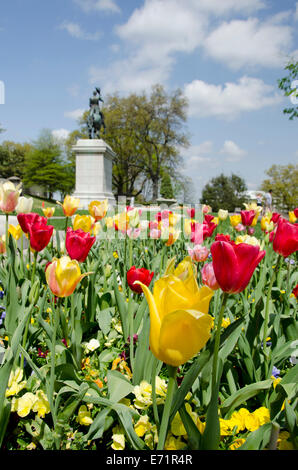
(70, 205)
(292, 217)
(48, 211)
(83, 222)
(180, 324)
(63, 275)
(98, 209)
(235, 220)
(15, 231)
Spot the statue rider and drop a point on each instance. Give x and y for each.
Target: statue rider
(96, 117)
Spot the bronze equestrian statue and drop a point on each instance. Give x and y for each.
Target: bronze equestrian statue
(95, 119)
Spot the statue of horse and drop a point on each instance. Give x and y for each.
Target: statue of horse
(94, 123)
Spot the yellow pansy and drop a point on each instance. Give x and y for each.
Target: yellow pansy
(174, 443)
(177, 427)
(84, 416)
(179, 321)
(160, 387)
(236, 444)
(239, 418)
(15, 382)
(235, 220)
(118, 438)
(142, 426)
(256, 419)
(24, 404)
(143, 394)
(41, 405)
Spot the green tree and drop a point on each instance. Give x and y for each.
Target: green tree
(224, 192)
(166, 188)
(283, 180)
(45, 166)
(145, 133)
(289, 85)
(12, 158)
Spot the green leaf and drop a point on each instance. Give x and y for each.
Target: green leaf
(118, 386)
(257, 440)
(244, 394)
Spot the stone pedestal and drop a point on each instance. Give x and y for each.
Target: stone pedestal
(94, 161)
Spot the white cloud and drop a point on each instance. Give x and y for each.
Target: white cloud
(250, 42)
(228, 101)
(220, 7)
(75, 114)
(98, 5)
(60, 134)
(75, 30)
(233, 151)
(153, 34)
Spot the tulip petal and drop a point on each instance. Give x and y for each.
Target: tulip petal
(183, 333)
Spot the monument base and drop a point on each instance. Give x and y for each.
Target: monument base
(94, 162)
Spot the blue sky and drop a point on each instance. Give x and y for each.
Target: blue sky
(226, 55)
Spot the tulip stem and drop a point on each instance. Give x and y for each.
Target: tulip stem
(6, 233)
(217, 339)
(34, 267)
(266, 320)
(167, 408)
(153, 384)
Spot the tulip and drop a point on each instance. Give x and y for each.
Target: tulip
(27, 220)
(292, 217)
(199, 232)
(295, 291)
(206, 209)
(235, 219)
(239, 228)
(98, 209)
(121, 221)
(138, 274)
(78, 244)
(266, 224)
(83, 222)
(296, 212)
(70, 205)
(15, 231)
(223, 214)
(208, 276)
(2, 245)
(40, 235)
(155, 233)
(285, 241)
(133, 218)
(63, 275)
(198, 253)
(274, 217)
(191, 212)
(133, 233)
(234, 264)
(179, 321)
(247, 217)
(24, 205)
(47, 211)
(170, 235)
(9, 196)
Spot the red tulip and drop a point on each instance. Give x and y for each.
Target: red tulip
(27, 220)
(285, 241)
(199, 232)
(275, 216)
(296, 212)
(221, 237)
(247, 217)
(295, 291)
(138, 274)
(40, 235)
(234, 264)
(78, 243)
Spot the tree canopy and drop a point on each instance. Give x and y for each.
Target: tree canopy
(145, 132)
(283, 180)
(289, 85)
(224, 192)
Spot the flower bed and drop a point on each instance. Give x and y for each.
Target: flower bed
(122, 333)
